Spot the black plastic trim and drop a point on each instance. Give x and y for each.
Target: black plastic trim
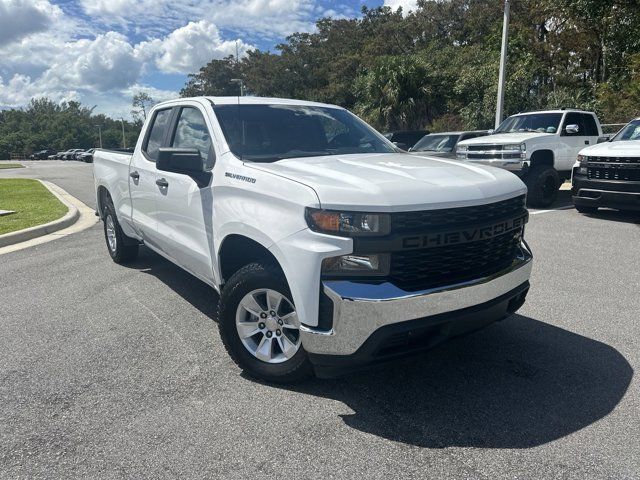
(619, 194)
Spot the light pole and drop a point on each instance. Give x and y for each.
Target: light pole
(124, 143)
(503, 64)
(99, 133)
(240, 82)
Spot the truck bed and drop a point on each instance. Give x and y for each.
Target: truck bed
(111, 168)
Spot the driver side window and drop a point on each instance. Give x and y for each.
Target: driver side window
(192, 132)
(573, 118)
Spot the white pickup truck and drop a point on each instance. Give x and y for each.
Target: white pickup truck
(539, 147)
(330, 248)
(608, 174)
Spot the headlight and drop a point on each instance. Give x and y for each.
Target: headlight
(515, 146)
(348, 224)
(521, 147)
(354, 265)
(462, 148)
(583, 159)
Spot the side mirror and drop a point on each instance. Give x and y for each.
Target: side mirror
(490, 132)
(185, 161)
(572, 129)
(603, 139)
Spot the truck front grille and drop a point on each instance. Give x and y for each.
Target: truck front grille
(623, 160)
(614, 173)
(425, 220)
(475, 148)
(440, 265)
(490, 152)
(433, 267)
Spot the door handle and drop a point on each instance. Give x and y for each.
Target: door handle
(586, 142)
(135, 175)
(162, 183)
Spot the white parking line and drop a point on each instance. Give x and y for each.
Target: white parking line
(568, 207)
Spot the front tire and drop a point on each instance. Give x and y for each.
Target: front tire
(543, 184)
(259, 326)
(122, 249)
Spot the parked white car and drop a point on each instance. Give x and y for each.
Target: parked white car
(539, 147)
(329, 248)
(608, 174)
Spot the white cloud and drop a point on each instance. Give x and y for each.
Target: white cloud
(20, 89)
(20, 18)
(264, 18)
(267, 18)
(188, 48)
(407, 5)
(46, 51)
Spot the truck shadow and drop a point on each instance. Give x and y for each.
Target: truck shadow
(616, 216)
(563, 201)
(517, 384)
(194, 291)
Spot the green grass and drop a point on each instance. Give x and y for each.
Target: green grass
(32, 202)
(10, 165)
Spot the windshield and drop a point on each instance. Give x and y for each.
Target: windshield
(267, 133)
(631, 131)
(537, 122)
(436, 143)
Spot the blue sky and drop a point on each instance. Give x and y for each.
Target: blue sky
(101, 52)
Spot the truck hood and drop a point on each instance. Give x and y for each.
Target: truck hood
(505, 138)
(622, 148)
(396, 181)
(435, 154)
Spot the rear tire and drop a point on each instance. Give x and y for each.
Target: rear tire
(543, 184)
(268, 330)
(122, 249)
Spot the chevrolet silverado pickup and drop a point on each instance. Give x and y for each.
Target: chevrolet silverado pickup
(608, 174)
(539, 147)
(330, 248)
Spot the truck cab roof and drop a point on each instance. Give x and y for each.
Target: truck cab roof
(558, 110)
(249, 100)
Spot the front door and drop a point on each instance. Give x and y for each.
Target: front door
(184, 210)
(143, 176)
(571, 142)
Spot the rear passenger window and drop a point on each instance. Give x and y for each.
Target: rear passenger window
(192, 132)
(591, 129)
(157, 132)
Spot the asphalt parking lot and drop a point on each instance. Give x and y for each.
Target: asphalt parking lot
(111, 372)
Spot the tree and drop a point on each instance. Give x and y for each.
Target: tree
(398, 92)
(141, 103)
(46, 124)
(214, 79)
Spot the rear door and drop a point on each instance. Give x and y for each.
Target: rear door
(591, 129)
(142, 177)
(184, 210)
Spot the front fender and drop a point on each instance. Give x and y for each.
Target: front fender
(300, 257)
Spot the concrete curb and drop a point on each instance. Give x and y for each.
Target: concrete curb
(66, 220)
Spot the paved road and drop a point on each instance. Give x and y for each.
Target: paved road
(112, 372)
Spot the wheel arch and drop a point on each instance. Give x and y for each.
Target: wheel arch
(543, 157)
(102, 196)
(237, 250)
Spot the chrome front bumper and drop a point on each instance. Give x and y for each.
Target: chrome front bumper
(361, 309)
(511, 165)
